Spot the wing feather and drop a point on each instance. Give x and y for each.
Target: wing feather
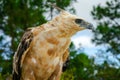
(20, 54)
(66, 60)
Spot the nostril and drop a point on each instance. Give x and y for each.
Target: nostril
(78, 21)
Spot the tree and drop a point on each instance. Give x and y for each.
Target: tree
(81, 67)
(15, 17)
(108, 33)
(108, 28)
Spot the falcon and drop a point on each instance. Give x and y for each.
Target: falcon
(44, 49)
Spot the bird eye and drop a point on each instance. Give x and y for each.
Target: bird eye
(78, 21)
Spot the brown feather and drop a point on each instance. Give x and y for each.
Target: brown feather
(21, 53)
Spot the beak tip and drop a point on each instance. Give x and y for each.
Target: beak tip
(90, 26)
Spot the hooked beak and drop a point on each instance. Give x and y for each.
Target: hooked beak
(84, 24)
(89, 26)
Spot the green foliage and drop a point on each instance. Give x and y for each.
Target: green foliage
(80, 62)
(108, 33)
(108, 29)
(7, 76)
(80, 66)
(68, 74)
(1, 77)
(83, 68)
(106, 72)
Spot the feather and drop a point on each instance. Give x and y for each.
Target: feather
(20, 54)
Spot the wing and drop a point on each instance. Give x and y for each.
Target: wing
(20, 54)
(66, 60)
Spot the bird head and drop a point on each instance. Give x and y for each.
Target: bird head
(74, 21)
(69, 23)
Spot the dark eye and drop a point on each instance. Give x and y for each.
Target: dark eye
(78, 21)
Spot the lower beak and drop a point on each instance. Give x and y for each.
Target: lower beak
(89, 26)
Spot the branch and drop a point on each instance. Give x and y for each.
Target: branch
(54, 6)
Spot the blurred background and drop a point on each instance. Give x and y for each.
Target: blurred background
(94, 55)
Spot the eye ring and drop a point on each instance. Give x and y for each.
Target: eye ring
(78, 21)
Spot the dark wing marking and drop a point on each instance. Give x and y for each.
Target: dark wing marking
(66, 64)
(66, 60)
(21, 51)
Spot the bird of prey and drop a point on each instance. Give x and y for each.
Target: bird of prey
(44, 49)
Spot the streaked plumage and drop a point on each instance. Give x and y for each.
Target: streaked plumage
(44, 49)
